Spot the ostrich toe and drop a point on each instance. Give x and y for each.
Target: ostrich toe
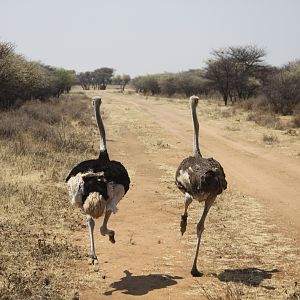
(183, 224)
(93, 260)
(112, 236)
(196, 273)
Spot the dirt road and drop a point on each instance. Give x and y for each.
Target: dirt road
(252, 169)
(251, 243)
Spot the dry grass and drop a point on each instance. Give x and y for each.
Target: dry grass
(266, 119)
(39, 142)
(270, 139)
(259, 104)
(231, 293)
(296, 120)
(37, 222)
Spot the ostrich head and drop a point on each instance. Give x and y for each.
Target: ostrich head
(97, 101)
(194, 100)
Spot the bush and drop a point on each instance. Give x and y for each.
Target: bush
(168, 85)
(260, 104)
(265, 119)
(283, 89)
(40, 112)
(270, 139)
(296, 120)
(147, 84)
(8, 129)
(21, 80)
(187, 83)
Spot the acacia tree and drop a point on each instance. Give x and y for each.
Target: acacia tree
(125, 79)
(85, 79)
(102, 77)
(121, 80)
(235, 71)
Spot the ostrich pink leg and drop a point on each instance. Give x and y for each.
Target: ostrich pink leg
(200, 229)
(91, 224)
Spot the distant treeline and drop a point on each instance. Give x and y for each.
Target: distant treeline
(22, 80)
(235, 74)
(100, 78)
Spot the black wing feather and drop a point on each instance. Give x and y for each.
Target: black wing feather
(113, 171)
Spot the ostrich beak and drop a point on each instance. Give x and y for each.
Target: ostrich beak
(96, 100)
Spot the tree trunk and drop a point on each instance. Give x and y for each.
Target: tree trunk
(225, 98)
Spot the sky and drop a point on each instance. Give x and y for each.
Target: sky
(139, 37)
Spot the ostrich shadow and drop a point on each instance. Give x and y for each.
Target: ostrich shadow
(138, 285)
(248, 276)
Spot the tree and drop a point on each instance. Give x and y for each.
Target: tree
(102, 77)
(117, 80)
(235, 71)
(122, 81)
(65, 80)
(283, 89)
(125, 79)
(191, 82)
(85, 79)
(146, 84)
(168, 84)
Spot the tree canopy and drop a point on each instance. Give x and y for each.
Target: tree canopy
(235, 72)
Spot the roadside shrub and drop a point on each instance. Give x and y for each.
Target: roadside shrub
(270, 139)
(168, 85)
(296, 120)
(246, 104)
(8, 129)
(62, 139)
(265, 119)
(227, 113)
(22, 80)
(283, 89)
(260, 103)
(40, 112)
(146, 84)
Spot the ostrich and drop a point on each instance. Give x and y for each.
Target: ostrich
(97, 185)
(199, 178)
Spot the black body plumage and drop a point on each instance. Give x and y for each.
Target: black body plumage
(205, 176)
(111, 171)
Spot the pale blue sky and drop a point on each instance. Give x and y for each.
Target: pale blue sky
(147, 36)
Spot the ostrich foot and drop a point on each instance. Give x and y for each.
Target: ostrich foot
(195, 272)
(104, 231)
(183, 224)
(112, 236)
(93, 260)
(96, 265)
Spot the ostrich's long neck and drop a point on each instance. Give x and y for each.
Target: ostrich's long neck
(103, 149)
(196, 148)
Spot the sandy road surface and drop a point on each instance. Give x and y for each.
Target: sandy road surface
(243, 250)
(251, 169)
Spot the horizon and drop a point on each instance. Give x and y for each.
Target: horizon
(146, 38)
